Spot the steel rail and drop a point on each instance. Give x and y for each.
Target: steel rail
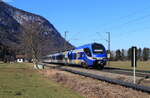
(143, 71)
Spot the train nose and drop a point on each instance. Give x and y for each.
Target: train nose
(100, 62)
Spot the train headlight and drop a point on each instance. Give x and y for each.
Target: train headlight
(99, 62)
(99, 58)
(94, 58)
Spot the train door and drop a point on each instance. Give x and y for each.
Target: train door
(79, 58)
(70, 57)
(87, 56)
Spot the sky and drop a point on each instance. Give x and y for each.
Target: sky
(87, 21)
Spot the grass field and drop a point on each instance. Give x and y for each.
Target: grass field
(127, 65)
(22, 81)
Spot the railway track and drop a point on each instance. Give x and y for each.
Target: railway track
(144, 74)
(143, 71)
(106, 79)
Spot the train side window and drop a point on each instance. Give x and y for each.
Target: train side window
(70, 56)
(80, 55)
(53, 57)
(59, 57)
(75, 56)
(88, 52)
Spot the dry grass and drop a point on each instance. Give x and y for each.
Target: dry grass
(91, 88)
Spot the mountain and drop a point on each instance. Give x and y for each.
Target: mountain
(12, 22)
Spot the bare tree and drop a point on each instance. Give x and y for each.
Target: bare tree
(32, 41)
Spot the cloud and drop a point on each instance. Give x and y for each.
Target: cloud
(7, 0)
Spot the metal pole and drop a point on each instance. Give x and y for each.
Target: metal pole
(108, 41)
(65, 41)
(108, 47)
(134, 81)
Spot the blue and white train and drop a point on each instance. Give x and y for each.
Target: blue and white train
(90, 55)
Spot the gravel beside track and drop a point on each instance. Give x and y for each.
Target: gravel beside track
(91, 88)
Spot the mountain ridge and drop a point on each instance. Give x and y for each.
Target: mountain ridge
(12, 22)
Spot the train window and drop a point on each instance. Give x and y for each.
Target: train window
(98, 48)
(88, 52)
(75, 56)
(81, 55)
(60, 57)
(53, 57)
(78, 55)
(50, 58)
(70, 56)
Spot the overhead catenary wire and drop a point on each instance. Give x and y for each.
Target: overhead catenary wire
(130, 21)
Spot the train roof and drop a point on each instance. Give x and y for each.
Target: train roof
(80, 47)
(87, 45)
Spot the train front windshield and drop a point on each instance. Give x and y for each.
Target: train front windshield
(98, 48)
